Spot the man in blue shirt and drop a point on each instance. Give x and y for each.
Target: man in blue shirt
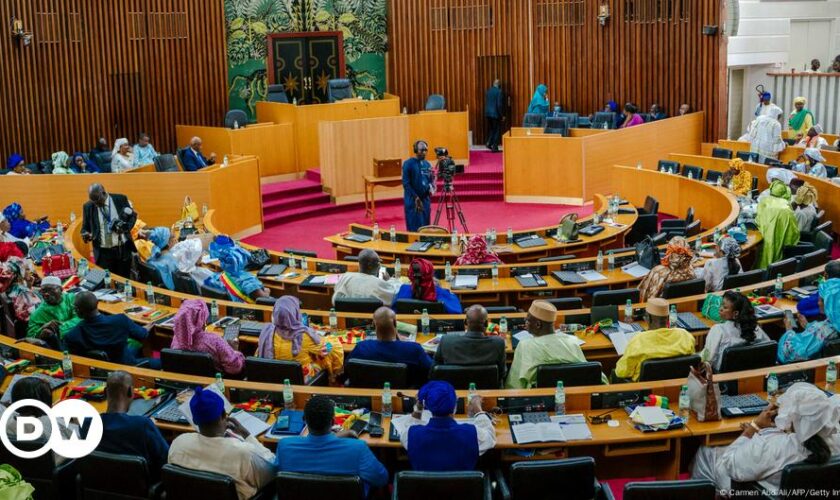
(97, 332)
(125, 434)
(322, 452)
(418, 186)
(389, 349)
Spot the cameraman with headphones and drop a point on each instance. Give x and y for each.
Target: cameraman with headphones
(418, 186)
(107, 220)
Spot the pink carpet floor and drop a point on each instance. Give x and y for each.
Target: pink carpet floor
(308, 234)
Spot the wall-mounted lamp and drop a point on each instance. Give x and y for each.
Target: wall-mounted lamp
(20, 34)
(603, 14)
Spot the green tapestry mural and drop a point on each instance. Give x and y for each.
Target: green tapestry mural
(362, 22)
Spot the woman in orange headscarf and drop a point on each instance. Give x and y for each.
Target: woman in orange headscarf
(675, 267)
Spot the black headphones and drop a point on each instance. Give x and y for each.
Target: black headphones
(417, 145)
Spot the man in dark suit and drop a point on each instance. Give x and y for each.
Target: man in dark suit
(494, 111)
(473, 347)
(192, 159)
(107, 220)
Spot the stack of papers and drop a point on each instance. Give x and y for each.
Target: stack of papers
(591, 275)
(465, 281)
(635, 270)
(109, 296)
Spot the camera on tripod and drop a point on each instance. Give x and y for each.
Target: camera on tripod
(446, 167)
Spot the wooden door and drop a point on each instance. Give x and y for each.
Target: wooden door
(490, 68)
(304, 62)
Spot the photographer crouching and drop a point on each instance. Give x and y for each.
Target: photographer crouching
(107, 220)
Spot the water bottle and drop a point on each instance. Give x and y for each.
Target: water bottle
(716, 236)
(107, 279)
(503, 326)
(448, 271)
(82, 268)
(599, 261)
(59, 231)
(698, 245)
(292, 262)
(375, 232)
(691, 176)
(492, 236)
(405, 110)
(638, 165)
(718, 182)
(487, 235)
(471, 392)
(150, 293)
(596, 218)
(333, 320)
(528, 131)
(393, 233)
(72, 217)
(225, 161)
(235, 125)
(220, 383)
(288, 395)
(128, 291)
(685, 404)
(830, 376)
(304, 266)
(772, 384)
(294, 101)
(560, 399)
(67, 366)
(780, 286)
(453, 241)
(214, 310)
(628, 311)
(672, 317)
(510, 235)
(610, 261)
(204, 209)
(606, 127)
(495, 273)
(424, 321)
(387, 407)
(397, 268)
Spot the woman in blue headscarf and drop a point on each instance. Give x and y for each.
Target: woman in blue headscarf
(81, 166)
(20, 227)
(241, 285)
(16, 165)
(801, 346)
(160, 259)
(539, 103)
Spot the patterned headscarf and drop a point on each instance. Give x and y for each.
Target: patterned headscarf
(779, 190)
(678, 253)
(59, 159)
(285, 322)
(807, 411)
(190, 322)
(736, 164)
(830, 294)
(477, 253)
(159, 236)
(13, 212)
(806, 195)
(729, 247)
(422, 280)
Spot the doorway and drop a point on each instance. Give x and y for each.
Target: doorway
(490, 68)
(304, 63)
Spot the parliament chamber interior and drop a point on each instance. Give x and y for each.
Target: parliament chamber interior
(455, 249)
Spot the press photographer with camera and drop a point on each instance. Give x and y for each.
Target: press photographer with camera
(107, 220)
(418, 186)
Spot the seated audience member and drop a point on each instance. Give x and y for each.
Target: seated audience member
(810, 306)
(656, 343)
(477, 253)
(18, 279)
(801, 119)
(144, 152)
(725, 263)
(81, 166)
(684, 109)
(765, 137)
(222, 446)
(783, 175)
(161, 239)
(193, 158)
(125, 434)
(9, 249)
(739, 178)
(101, 154)
(158, 248)
(835, 66)
(739, 326)
(556, 110)
(657, 112)
(421, 273)
(807, 343)
(122, 159)
(815, 166)
(388, 348)
(813, 139)
(443, 444)
(38, 389)
(61, 163)
(675, 267)
(241, 285)
(545, 348)
(20, 227)
(473, 347)
(815, 66)
(287, 338)
(631, 116)
(17, 165)
(776, 223)
(56, 315)
(190, 335)
(539, 103)
(612, 107)
(111, 333)
(804, 206)
(366, 284)
(802, 428)
(323, 452)
(7, 237)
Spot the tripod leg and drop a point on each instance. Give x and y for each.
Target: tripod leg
(460, 212)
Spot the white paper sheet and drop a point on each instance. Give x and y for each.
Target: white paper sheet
(538, 433)
(649, 415)
(574, 426)
(591, 275)
(620, 340)
(635, 270)
(251, 423)
(465, 281)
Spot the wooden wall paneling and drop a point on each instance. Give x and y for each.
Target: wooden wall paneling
(110, 69)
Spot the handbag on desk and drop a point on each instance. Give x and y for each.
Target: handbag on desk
(190, 210)
(703, 393)
(647, 255)
(57, 265)
(258, 259)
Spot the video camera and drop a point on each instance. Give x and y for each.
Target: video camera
(446, 167)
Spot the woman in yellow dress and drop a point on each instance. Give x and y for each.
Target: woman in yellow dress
(287, 338)
(739, 177)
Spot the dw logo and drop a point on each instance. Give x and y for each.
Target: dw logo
(81, 420)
